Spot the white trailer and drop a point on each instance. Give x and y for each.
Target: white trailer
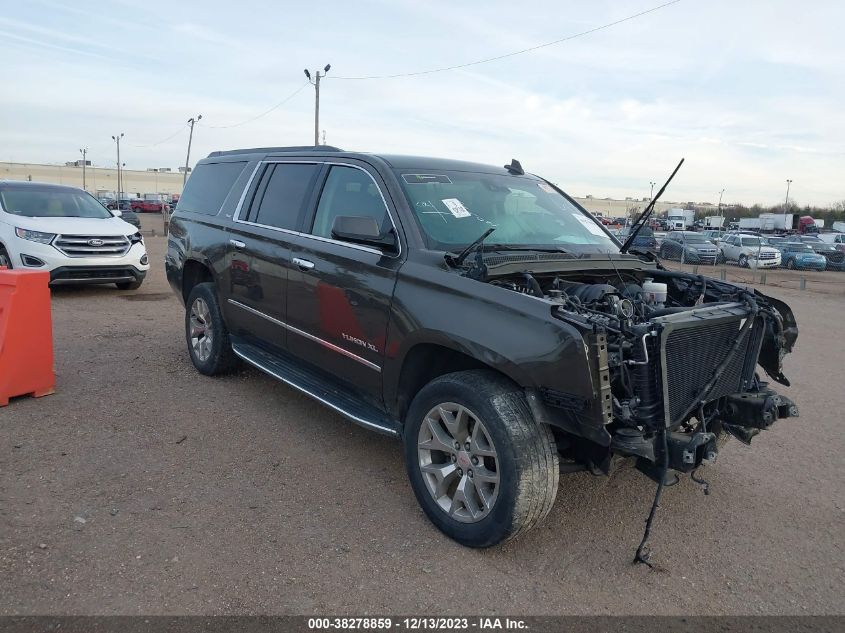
(714, 222)
(749, 224)
(839, 227)
(680, 219)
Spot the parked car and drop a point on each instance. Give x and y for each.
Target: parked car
(66, 231)
(835, 257)
(749, 251)
(139, 205)
(468, 310)
(713, 235)
(643, 242)
(689, 247)
(796, 255)
(833, 238)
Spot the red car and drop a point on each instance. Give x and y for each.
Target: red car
(149, 206)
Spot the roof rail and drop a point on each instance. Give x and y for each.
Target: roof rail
(277, 150)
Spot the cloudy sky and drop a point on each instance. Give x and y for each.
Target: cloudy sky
(750, 92)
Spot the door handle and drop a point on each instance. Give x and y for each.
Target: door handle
(303, 264)
(237, 243)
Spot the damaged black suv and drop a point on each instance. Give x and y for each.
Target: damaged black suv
(476, 312)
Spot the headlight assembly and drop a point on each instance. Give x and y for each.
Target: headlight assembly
(35, 236)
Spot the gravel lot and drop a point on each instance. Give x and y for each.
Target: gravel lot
(143, 487)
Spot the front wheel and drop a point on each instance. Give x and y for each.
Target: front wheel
(5, 260)
(743, 261)
(129, 285)
(480, 466)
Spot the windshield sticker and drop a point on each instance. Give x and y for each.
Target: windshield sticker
(545, 187)
(421, 179)
(456, 207)
(591, 226)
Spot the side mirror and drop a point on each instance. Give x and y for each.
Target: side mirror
(117, 213)
(362, 230)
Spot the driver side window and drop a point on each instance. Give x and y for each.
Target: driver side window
(349, 191)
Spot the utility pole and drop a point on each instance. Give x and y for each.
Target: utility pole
(116, 139)
(722, 222)
(84, 153)
(316, 83)
(786, 202)
(191, 122)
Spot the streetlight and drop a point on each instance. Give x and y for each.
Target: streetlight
(191, 122)
(786, 202)
(722, 220)
(84, 153)
(316, 83)
(116, 139)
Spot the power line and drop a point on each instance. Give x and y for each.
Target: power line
(514, 53)
(164, 140)
(265, 113)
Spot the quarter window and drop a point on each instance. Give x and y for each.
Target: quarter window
(349, 191)
(282, 195)
(208, 187)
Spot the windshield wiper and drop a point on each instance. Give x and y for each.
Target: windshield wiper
(457, 260)
(538, 249)
(639, 223)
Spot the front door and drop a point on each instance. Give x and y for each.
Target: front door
(339, 293)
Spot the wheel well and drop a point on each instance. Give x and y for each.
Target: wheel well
(424, 363)
(194, 273)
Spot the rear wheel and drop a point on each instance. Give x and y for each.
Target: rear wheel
(481, 468)
(206, 333)
(5, 260)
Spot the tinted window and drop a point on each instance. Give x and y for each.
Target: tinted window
(51, 202)
(349, 191)
(282, 195)
(208, 187)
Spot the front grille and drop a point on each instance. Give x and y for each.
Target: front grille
(837, 258)
(693, 350)
(767, 256)
(92, 245)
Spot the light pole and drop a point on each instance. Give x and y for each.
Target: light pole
(786, 202)
(191, 122)
(316, 83)
(84, 153)
(722, 220)
(116, 139)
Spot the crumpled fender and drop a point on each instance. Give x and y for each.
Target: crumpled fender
(780, 337)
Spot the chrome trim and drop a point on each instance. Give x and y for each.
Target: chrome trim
(302, 263)
(331, 405)
(237, 243)
(316, 339)
(236, 216)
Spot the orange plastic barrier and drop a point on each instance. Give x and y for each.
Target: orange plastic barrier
(26, 335)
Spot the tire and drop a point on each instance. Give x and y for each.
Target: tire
(720, 258)
(743, 261)
(790, 264)
(664, 254)
(524, 462)
(129, 285)
(204, 322)
(5, 260)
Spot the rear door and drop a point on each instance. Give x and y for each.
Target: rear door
(259, 247)
(339, 293)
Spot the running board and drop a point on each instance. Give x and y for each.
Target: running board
(335, 397)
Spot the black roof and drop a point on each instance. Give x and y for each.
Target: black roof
(395, 161)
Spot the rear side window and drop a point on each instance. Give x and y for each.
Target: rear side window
(282, 195)
(208, 187)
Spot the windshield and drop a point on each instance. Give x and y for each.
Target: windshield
(800, 247)
(454, 208)
(694, 239)
(751, 241)
(48, 202)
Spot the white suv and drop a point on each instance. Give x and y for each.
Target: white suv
(749, 250)
(65, 231)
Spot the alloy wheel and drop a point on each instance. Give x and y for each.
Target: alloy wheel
(202, 334)
(458, 462)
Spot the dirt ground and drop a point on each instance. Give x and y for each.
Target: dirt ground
(141, 486)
